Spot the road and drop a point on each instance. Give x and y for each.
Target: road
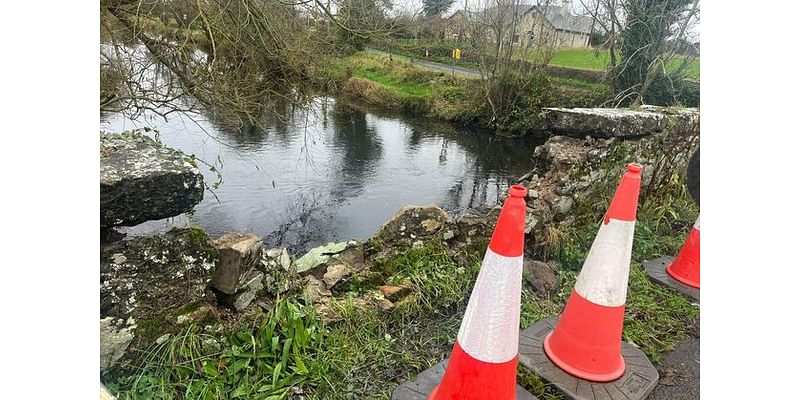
(466, 72)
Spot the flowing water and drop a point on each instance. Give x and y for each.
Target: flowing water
(333, 171)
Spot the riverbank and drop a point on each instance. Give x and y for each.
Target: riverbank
(399, 84)
(353, 320)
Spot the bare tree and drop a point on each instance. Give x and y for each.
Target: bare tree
(643, 38)
(513, 45)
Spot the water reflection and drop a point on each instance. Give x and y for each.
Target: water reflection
(359, 151)
(335, 171)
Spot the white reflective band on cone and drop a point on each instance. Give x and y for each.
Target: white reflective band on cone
(697, 223)
(490, 328)
(603, 280)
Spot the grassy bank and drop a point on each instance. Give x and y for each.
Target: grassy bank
(399, 84)
(288, 350)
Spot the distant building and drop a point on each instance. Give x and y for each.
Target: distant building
(555, 26)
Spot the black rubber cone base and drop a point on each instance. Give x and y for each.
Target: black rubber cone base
(657, 271)
(420, 388)
(640, 377)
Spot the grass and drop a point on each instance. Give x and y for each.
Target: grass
(402, 87)
(599, 61)
(262, 360)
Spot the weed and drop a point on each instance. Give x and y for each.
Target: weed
(263, 361)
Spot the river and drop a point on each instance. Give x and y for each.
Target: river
(332, 171)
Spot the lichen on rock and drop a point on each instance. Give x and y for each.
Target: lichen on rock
(147, 279)
(141, 180)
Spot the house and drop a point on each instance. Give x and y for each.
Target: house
(556, 25)
(548, 25)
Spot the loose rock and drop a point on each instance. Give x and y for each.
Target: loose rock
(541, 277)
(336, 273)
(319, 256)
(413, 222)
(394, 293)
(238, 255)
(115, 336)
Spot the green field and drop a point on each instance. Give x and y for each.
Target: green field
(588, 59)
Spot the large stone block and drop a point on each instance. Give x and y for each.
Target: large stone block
(141, 180)
(239, 254)
(617, 122)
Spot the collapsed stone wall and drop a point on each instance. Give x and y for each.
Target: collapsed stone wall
(151, 287)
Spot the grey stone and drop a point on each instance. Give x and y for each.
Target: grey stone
(252, 284)
(563, 205)
(531, 222)
(163, 338)
(285, 261)
(448, 234)
(160, 274)
(141, 180)
(533, 194)
(319, 256)
(413, 222)
(115, 336)
(210, 344)
(242, 300)
(275, 253)
(238, 255)
(617, 122)
(315, 289)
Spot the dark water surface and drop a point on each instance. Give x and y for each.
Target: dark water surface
(336, 172)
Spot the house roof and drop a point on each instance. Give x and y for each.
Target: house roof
(574, 23)
(553, 14)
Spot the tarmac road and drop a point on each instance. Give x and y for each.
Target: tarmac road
(467, 72)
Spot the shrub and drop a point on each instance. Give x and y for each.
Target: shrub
(669, 91)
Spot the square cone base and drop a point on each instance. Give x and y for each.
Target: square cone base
(420, 388)
(657, 271)
(640, 377)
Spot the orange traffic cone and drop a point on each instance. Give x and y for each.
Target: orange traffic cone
(483, 364)
(586, 342)
(686, 266)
